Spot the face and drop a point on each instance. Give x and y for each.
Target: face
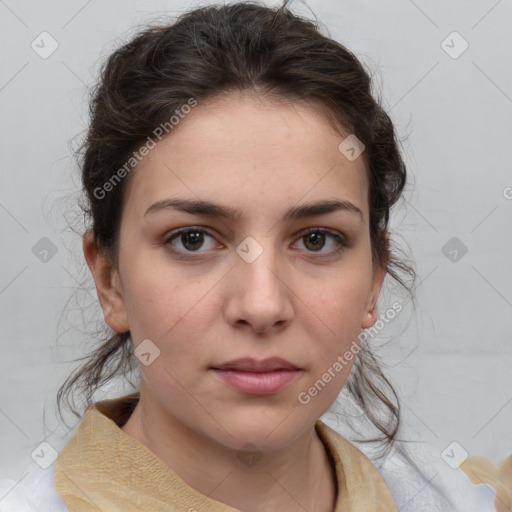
(254, 284)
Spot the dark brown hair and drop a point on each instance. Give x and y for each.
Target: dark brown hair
(213, 50)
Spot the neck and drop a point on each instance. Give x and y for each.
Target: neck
(299, 476)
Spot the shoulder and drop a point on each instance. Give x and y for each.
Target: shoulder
(421, 481)
(33, 492)
(418, 478)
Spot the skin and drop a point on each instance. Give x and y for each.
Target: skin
(298, 300)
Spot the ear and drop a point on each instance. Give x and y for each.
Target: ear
(370, 316)
(108, 284)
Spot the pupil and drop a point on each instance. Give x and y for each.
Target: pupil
(315, 237)
(194, 237)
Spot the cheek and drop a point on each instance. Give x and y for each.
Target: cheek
(158, 297)
(339, 303)
(337, 311)
(174, 313)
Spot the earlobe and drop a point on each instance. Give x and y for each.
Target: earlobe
(108, 285)
(370, 318)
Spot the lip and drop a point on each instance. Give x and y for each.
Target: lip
(257, 383)
(255, 377)
(248, 364)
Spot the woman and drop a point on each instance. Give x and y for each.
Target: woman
(239, 177)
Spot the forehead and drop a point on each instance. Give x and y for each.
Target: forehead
(246, 150)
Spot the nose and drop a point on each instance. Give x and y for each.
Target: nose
(259, 296)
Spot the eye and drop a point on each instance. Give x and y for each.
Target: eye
(190, 238)
(314, 240)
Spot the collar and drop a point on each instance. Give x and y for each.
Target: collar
(103, 468)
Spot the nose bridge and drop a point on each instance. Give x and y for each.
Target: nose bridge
(260, 296)
(260, 265)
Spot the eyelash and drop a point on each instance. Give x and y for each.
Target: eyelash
(341, 243)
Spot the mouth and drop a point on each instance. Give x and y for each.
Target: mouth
(257, 383)
(248, 364)
(257, 377)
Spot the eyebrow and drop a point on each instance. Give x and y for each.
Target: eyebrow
(210, 209)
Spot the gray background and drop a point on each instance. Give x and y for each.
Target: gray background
(450, 360)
